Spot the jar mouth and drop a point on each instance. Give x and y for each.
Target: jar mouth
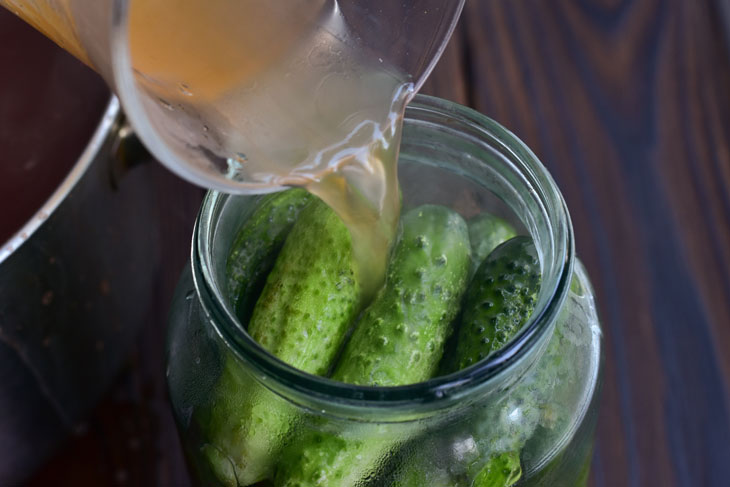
(554, 241)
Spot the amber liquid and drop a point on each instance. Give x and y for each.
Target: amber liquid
(286, 96)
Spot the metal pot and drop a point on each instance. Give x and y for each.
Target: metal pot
(77, 278)
(76, 283)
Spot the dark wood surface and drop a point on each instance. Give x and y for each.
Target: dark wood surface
(627, 102)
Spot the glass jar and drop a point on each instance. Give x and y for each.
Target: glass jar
(536, 397)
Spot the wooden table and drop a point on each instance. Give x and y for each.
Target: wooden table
(627, 102)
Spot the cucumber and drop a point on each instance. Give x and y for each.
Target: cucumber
(257, 244)
(311, 297)
(497, 304)
(486, 232)
(243, 430)
(399, 340)
(499, 300)
(500, 471)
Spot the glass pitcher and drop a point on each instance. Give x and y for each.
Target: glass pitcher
(247, 96)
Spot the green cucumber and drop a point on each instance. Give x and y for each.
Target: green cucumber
(500, 471)
(399, 340)
(499, 300)
(242, 432)
(497, 304)
(486, 232)
(257, 244)
(311, 297)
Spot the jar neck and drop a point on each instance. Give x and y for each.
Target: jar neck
(488, 155)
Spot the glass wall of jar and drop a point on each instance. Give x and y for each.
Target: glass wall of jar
(523, 416)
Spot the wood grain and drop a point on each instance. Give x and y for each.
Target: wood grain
(628, 105)
(627, 102)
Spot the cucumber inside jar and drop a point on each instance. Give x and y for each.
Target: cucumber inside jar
(476, 283)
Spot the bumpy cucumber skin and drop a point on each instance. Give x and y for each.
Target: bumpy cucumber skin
(310, 298)
(231, 416)
(399, 340)
(499, 300)
(486, 232)
(497, 304)
(257, 244)
(312, 295)
(401, 336)
(508, 279)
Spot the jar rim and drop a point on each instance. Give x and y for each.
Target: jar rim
(434, 393)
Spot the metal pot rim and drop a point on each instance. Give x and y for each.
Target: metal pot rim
(69, 182)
